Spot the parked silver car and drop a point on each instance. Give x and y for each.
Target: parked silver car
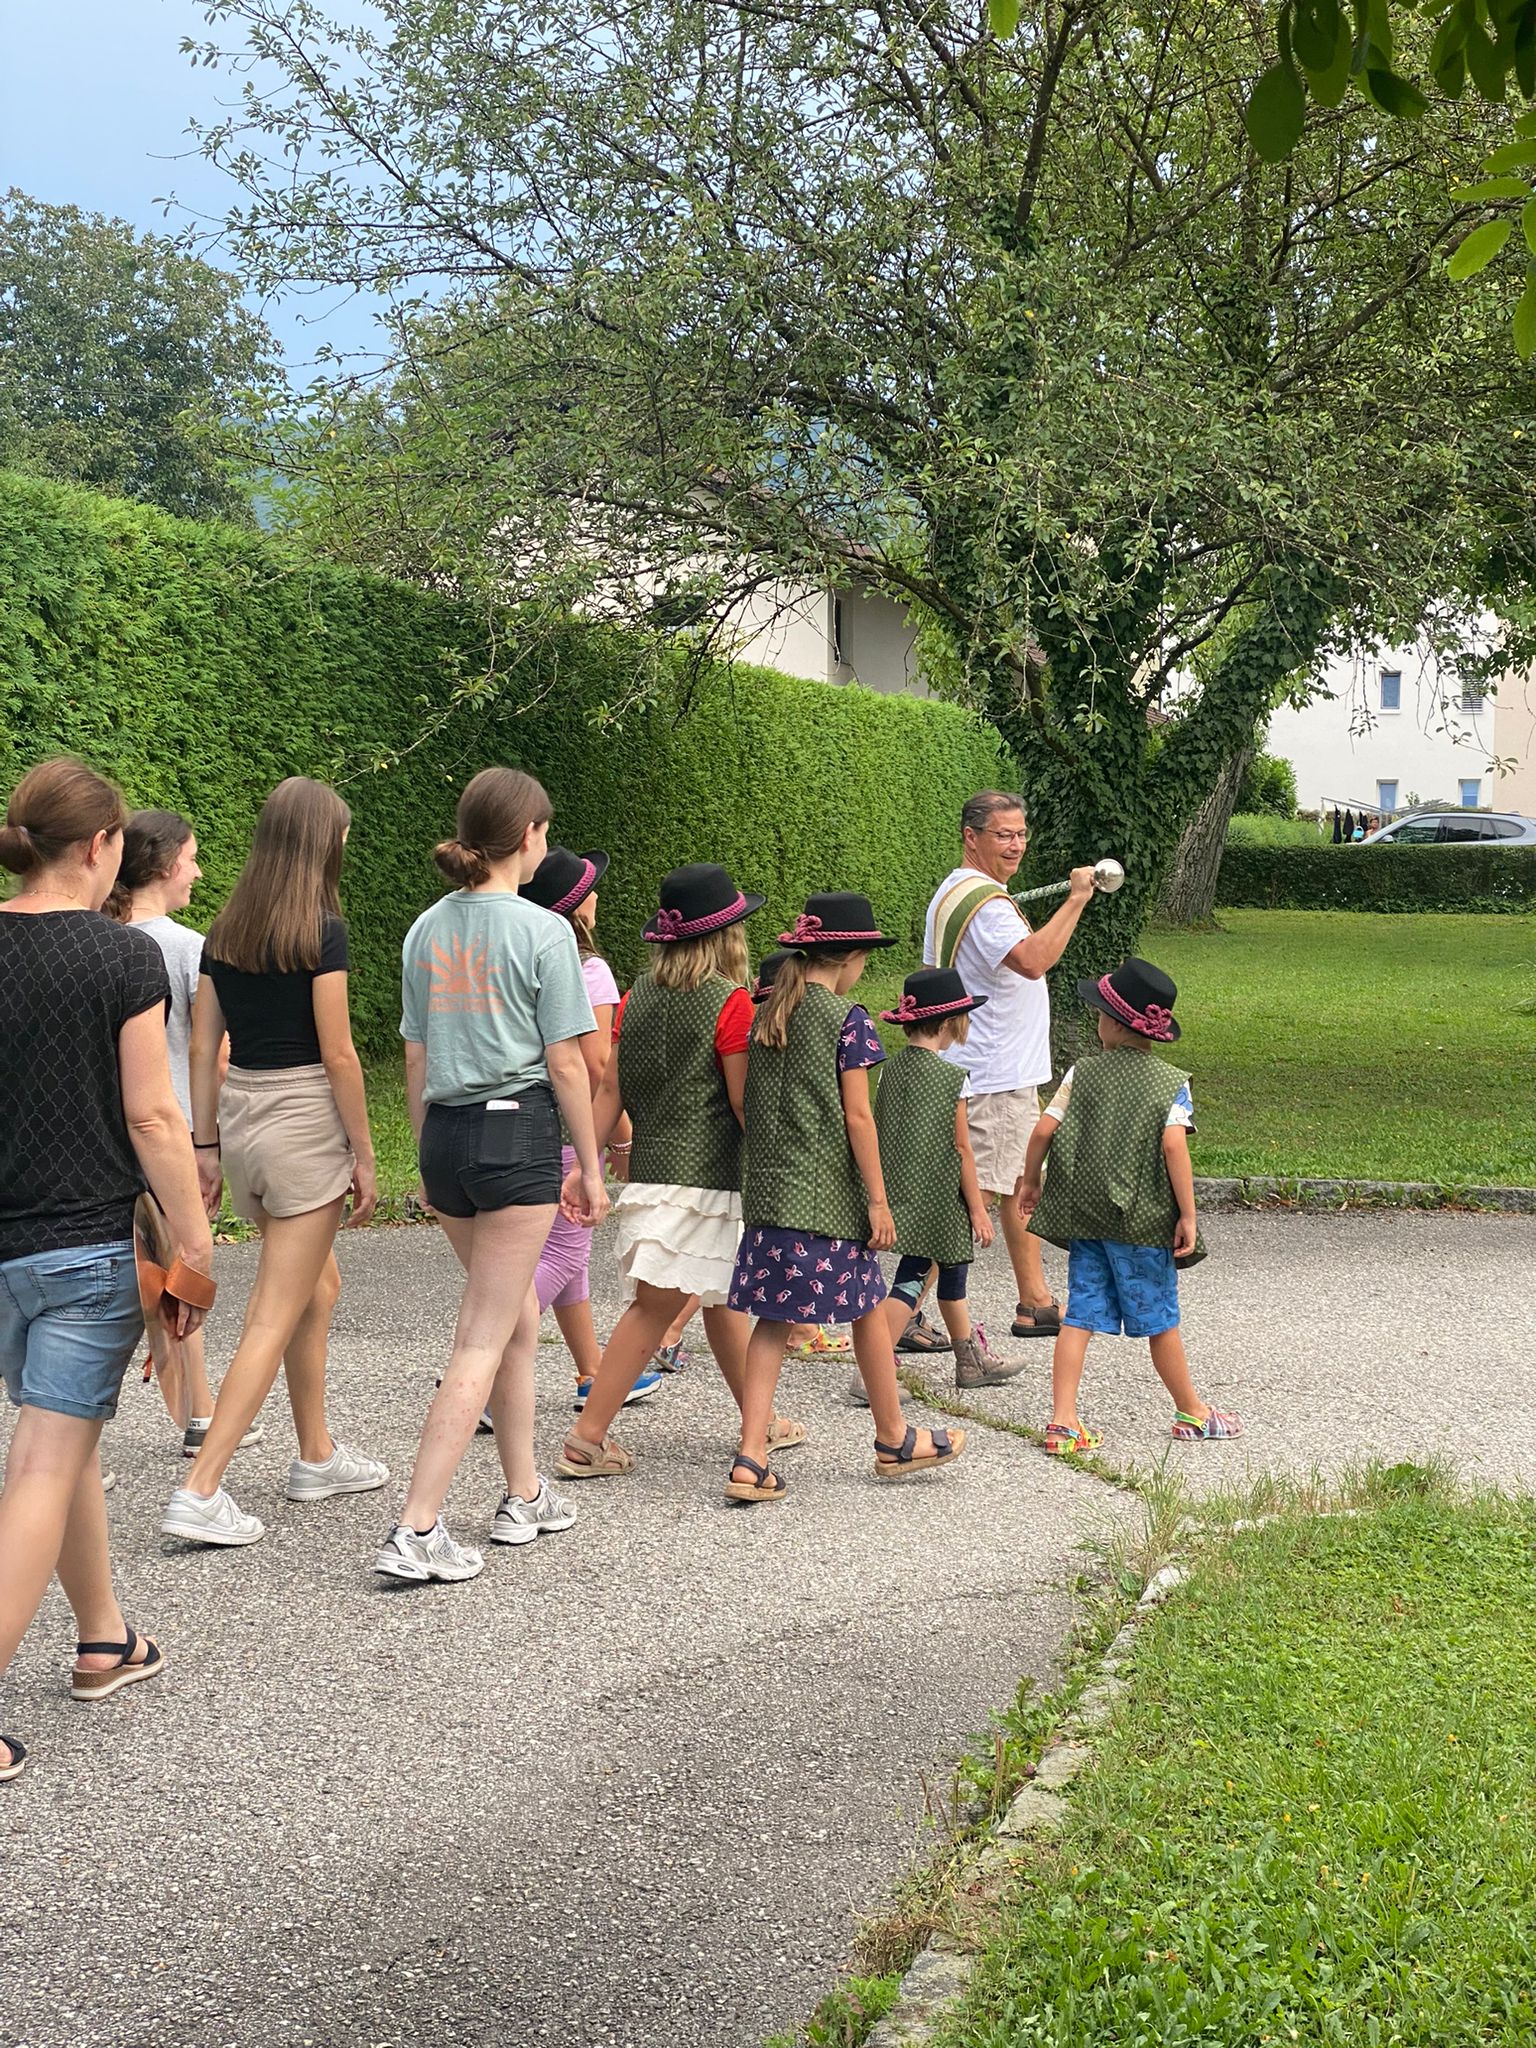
(1455, 828)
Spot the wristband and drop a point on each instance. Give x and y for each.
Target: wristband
(623, 1148)
(214, 1147)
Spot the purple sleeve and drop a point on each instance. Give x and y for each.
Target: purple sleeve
(860, 1044)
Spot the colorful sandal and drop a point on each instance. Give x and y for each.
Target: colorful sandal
(580, 1460)
(785, 1435)
(764, 1485)
(820, 1345)
(1061, 1440)
(898, 1461)
(100, 1685)
(1213, 1428)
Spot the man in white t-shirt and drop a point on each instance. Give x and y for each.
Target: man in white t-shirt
(1008, 1053)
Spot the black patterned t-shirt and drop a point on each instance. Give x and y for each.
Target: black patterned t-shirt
(69, 981)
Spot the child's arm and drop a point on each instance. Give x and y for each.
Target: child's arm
(865, 1146)
(1026, 1191)
(970, 1187)
(1181, 1175)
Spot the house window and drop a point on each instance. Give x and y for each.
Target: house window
(1386, 796)
(1391, 689)
(1473, 701)
(1471, 794)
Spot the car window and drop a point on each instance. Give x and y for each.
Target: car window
(1415, 832)
(1506, 828)
(1461, 831)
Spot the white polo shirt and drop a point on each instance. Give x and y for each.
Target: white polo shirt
(1010, 1042)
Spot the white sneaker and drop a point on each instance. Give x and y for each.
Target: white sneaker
(108, 1481)
(521, 1521)
(344, 1471)
(218, 1520)
(434, 1556)
(197, 1430)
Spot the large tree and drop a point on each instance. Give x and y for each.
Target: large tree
(1023, 333)
(113, 348)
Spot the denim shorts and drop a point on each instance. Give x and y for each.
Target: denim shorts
(492, 1155)
(70, 1322)
(1115, 1287)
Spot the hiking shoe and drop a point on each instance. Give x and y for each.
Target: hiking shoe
(642, 1390)
(670, 1358)
(976, 1367)
(407, 1555)
(196, 1432)
(920, 1335)
(219, 1520)
(860, 1399)
(344, 1471)
(520, 1521)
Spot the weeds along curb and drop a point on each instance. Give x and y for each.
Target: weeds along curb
(941, 1971)
(1329, 1196)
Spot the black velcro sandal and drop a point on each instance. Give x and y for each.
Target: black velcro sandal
(100, 1685)
(900, 1461)
(764, 1484)
(18, 1762)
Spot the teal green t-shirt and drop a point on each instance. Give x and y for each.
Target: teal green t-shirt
(487, 981)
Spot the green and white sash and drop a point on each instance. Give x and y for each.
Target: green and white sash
(959, 908)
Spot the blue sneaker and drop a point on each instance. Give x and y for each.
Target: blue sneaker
(642, 1390)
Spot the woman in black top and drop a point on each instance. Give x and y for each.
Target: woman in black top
(88, 1115)
(289, 1131)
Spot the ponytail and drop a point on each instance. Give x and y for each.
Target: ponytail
(780, 1004)
(495, 812)
(151, 842)
(57, 805)
(465, 866)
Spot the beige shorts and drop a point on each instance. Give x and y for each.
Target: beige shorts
(285, 1148)
(1001, 1126)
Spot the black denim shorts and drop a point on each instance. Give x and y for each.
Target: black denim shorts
(492, 1155)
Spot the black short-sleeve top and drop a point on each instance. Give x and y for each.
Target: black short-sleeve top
(69, 981)
(271, 1017)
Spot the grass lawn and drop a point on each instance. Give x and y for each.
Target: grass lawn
(1313, 1820)
(1322, 1042)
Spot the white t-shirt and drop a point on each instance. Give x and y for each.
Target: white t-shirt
(183, 950)
(1010, 1042)
(1181, 1116)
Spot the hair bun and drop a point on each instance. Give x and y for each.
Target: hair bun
(16, 849)
(465, 866)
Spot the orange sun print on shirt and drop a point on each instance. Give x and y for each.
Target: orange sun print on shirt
(460, 977)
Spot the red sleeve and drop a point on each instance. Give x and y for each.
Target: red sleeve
(618, 1015)
(733, 1026)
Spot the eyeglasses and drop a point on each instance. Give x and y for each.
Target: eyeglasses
(1009, 838)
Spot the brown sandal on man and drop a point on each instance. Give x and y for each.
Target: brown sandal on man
(763, 1485)
(785, 1434)
(580, 1460)
(1037, 1319)
(100, 1685)
(900, 1461)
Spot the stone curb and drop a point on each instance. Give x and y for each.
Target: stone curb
(940, 1972)
(1306, 1192)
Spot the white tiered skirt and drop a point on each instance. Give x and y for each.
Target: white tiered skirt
(685, 1238)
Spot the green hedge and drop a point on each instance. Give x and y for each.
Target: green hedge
(1388, 878)
(200, 664)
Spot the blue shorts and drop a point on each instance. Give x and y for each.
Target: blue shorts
(70, 1322)
(1115, 1287)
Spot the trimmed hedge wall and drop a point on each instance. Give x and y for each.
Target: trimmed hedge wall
(1387, 878)
(200, 664)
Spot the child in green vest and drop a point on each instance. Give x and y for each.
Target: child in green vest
(813, 1197)
(930, 1170)
(1120, 1197)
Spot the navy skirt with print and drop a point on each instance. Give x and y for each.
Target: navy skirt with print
(789, 1276)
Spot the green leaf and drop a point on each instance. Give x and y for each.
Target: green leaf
(1378, 29)
(1275, 114)
(1479, 248)
(1484, 63)
(1525, 56)
(1315, 33)
(1452, 76)
(1525, 321)
(1528, 224)
(1526, 125)
(1513, 156)
(1492, 188)
(1004, 17)
(1395, 95)
(1451, 36)
(1330, 84)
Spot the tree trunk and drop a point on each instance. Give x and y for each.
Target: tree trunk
(1189, 888)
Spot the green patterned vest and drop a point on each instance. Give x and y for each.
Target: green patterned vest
(686, 1132)
(1105, 1175)
(915, 1116)
(800, 1171)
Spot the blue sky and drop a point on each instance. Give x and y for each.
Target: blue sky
(95, 97)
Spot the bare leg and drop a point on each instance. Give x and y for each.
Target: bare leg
(294, 1253)
(765, 1355)
(199, 1393)
(625, 1356)
(48, 1458)
(1172, 1368)
(576, 1326)
(1067, 1362)
(896, 1314)
(876, 1361)
(728, 1331)
(680, 1322)
(1024, 1252)
(85, 1573)
(957, 1319)
(304, 1366)
(512, 1403)
(499, 1250)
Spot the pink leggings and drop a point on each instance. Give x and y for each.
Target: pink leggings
(561, 1278)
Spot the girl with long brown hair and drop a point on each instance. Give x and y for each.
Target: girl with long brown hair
(87, 1117)
(494, 1015)
(289, 1132)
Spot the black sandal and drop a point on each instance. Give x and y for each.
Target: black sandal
(764, 1485)
(920, 1336)
(100, 1685)
(18, 1762)
(898, 1461)
(1042, 1321)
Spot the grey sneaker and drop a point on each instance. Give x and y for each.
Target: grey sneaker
(976, 1367)
(406, 1555)
(218, 1520)
(344, 1471)
(520, 1521)
(860, 1399)
(196, 1432)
